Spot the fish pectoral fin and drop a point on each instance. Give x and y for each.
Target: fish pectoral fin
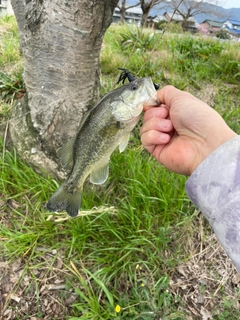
(124, 143)
(66, 154)
(100, 175)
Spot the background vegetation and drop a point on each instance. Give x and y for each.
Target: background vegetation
(122, 254)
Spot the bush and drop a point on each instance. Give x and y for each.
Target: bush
(223, 34)
(170, 27)
(140, 38)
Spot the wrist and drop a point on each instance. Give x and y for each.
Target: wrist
(211, 145)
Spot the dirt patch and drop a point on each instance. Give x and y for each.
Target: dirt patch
(208, 278)
(33, 288)
(208, 96)
(35, 292)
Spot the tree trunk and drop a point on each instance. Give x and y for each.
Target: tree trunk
(146, 7)
(122, 9)
(61, 42)
(144, 19)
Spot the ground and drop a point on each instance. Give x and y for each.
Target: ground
(42, 291)
(206, 284)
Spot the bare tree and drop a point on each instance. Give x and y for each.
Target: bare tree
(190, 8)
(146, 6)
(60, 41)
(122, 6)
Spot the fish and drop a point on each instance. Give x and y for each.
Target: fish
(101, 130)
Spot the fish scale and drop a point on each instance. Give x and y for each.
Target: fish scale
(103, 129)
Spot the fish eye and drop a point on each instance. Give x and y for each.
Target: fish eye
(134, 87)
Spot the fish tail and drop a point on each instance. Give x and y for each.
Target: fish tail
(63, 200)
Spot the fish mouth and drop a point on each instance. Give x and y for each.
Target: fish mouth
(132, 104)
(152, 99)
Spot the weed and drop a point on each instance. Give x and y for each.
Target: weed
(137, 39)
(197, 47)
(228, 309)
(11, 87)
(201, 59)
(9, 44)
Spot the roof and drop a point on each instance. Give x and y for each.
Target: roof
(137, 10)
(178, 17)
(158, 18)
(214, 24)
(233, 30)
(235, 22)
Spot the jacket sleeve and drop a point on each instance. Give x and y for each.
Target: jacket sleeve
(214, 187)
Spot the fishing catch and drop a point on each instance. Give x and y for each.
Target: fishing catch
(102, 129)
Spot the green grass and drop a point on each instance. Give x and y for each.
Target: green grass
(189, 59)
(125, 252)
(11, 62)
(229, 308)
(120, 246)
(9, 42)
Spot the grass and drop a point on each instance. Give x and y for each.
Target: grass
(121, 246)
(188, 59)
(120, 258)
(9, 44)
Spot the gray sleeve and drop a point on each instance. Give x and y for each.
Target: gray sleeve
(214, 187)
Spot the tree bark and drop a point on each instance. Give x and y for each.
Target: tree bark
(122, 9)
(60, 41)
(146, 6)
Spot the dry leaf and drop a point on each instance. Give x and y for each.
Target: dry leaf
(206, 315)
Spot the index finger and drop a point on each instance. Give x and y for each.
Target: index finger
(165, 96)
(168, 94)
(156, 112)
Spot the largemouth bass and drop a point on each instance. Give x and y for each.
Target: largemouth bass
(102, 129)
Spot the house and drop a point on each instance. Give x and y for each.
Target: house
(132, 15)
(210, 26)
(233, 27)
(190, 24)
(153, 21)
(6, 8)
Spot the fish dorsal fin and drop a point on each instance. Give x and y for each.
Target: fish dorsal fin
(100, 175)
(84, 118)
(66, 154)
(124, 143)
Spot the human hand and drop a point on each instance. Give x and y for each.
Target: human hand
(182, 131)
